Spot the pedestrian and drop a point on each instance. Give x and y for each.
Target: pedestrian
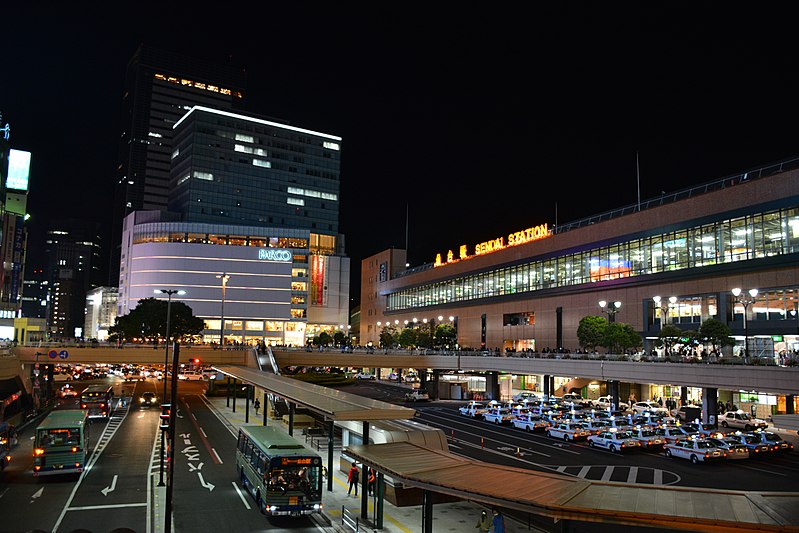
(372, 481)
(498, 522)
(352, 479)
(257, 406)
(483, 523)
(660, 401)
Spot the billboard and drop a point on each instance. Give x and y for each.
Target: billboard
(19, 163)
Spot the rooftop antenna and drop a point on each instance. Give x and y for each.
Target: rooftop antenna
(638, 177)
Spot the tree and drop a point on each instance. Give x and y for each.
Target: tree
(388, 337)
(669, 336)
(148, 321)
(716, 333)
(591, 332)
(407, 337)
(444, 336)
(339, 338)
(620, 337)
(324, 339)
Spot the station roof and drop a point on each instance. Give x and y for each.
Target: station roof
(331, 403)
(563, 497)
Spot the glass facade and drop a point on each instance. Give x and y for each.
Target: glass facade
(755, 236)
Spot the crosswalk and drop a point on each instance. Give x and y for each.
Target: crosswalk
(622, 474)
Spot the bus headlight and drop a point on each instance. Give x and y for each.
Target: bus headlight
(38, 451)
(272, 508)
(317, 507)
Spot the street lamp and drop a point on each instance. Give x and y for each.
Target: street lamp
(746, 302)
(611, 308)
(664, 307)
(169, 293)
(224, 277)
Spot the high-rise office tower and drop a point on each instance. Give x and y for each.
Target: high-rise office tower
(160, 87)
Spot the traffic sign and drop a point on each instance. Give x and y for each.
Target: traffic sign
(52, 354)
(63, 354)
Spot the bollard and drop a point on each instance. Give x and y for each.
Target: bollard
(482, 442)
(517, 453)
(453, 435)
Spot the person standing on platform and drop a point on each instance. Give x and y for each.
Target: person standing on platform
(352, 479)
(256, 405)
(498, 522)
(483, 523)
(372, 480)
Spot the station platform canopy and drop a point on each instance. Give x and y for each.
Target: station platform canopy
(331, 403)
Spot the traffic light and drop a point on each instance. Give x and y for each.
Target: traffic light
(166, 412)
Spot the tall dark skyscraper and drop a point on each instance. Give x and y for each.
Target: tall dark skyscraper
(160, 87)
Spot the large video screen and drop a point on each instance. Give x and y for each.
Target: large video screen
(19, 164)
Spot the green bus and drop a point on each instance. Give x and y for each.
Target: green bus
(97, 399)
(61, 443)
(283, 476)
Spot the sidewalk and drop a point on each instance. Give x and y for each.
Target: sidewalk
(458, 516)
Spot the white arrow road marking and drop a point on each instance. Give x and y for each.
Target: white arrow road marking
(113, 486)
(37, 494)
(193, 467)
(208, 486)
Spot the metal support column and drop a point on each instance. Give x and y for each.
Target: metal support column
(227, 395)
(365, 476)
(330, 456)
(291, 419)
(235, 393)
(683, 396)
(247, 391)
(789, 404)
(613, 392)
(710, 402)
(427, 512)
(381, 492)
(546, 385)
(266, 408)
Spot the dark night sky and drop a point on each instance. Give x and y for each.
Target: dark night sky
(479, 120)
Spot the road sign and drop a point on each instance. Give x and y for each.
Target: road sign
(63, 354)
(52, 354)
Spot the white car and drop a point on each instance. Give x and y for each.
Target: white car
(417, 396)
(498, 415)
(734, 449)
(524, 395)
(364, 375)
(675, 434)
(615, 441)
(190, 375)
(648, 438)
(606, 402)
(473, 409)
(530, 422)
(653, 407)
(696, 451)
(568, 431)
(741, 420)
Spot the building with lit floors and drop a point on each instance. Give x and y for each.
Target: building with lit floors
(671, 260)
(101, 312)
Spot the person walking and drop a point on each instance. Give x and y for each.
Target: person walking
(257, 405)
(372, 480)
(352, 479)
(483, 523)
(498, 522)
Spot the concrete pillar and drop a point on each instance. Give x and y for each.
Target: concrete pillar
(365, 476)
(330, 429)
(492, 386)
(234, 393)
(613, 392)
(683, 396)
(546, 385)
(789, 404)
(291, 419)
(427, 511)
(710, 400)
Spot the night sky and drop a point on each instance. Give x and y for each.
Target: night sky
(477, 121)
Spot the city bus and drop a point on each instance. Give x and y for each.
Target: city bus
(61, 443)
(96, 399)
(281, 474)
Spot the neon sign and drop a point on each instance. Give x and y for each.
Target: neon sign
(272, 254)
(500, 243)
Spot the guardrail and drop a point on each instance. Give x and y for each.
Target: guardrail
(350, 520)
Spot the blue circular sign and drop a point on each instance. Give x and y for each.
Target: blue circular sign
(63, 354)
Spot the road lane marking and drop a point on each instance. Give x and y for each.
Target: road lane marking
(583, 472)
(658, 479)
(112, 506)
(241, 495)
(632, 475)
(218, 459)
(607, 474)
(203, 432)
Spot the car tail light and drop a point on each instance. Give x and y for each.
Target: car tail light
(38, 451)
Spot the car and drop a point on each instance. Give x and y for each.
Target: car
(652, 407)
(674, 434)
(498, 415)
(735, 450)
(530, 422)
(606, 402)
(614, 441)
(67, 391)
(364, 375)
(412, 377)
(190, 375)
(568, 431)
(131, 376)
(696, 450)
(648, 418)
(701, 429)
(740, 420)
(755, 445)
(473, 409)
(687, 412)
(417, 396)
(649, 440)
(596, 425)
(395, 376)
(148, 399)
(777, 443)
(524, 395)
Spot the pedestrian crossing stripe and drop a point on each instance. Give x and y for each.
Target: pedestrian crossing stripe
(623, 474)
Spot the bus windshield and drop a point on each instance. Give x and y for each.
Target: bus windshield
(49, 438)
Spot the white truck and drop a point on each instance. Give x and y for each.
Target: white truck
(417, 395)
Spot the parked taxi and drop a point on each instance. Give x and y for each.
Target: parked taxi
(568, 431)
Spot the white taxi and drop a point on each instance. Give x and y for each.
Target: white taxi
(473, 409)
(615, 441)
(530, 422)
(648, 438)
(740, 420)
(568, 431)
(696, 450)
(498, 415)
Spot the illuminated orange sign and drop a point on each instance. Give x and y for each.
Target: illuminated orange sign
(500, 243)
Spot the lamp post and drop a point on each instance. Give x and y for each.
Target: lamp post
(611, 308)
(224, 277)
(746, 302)
(169, 293)
(664, 307)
